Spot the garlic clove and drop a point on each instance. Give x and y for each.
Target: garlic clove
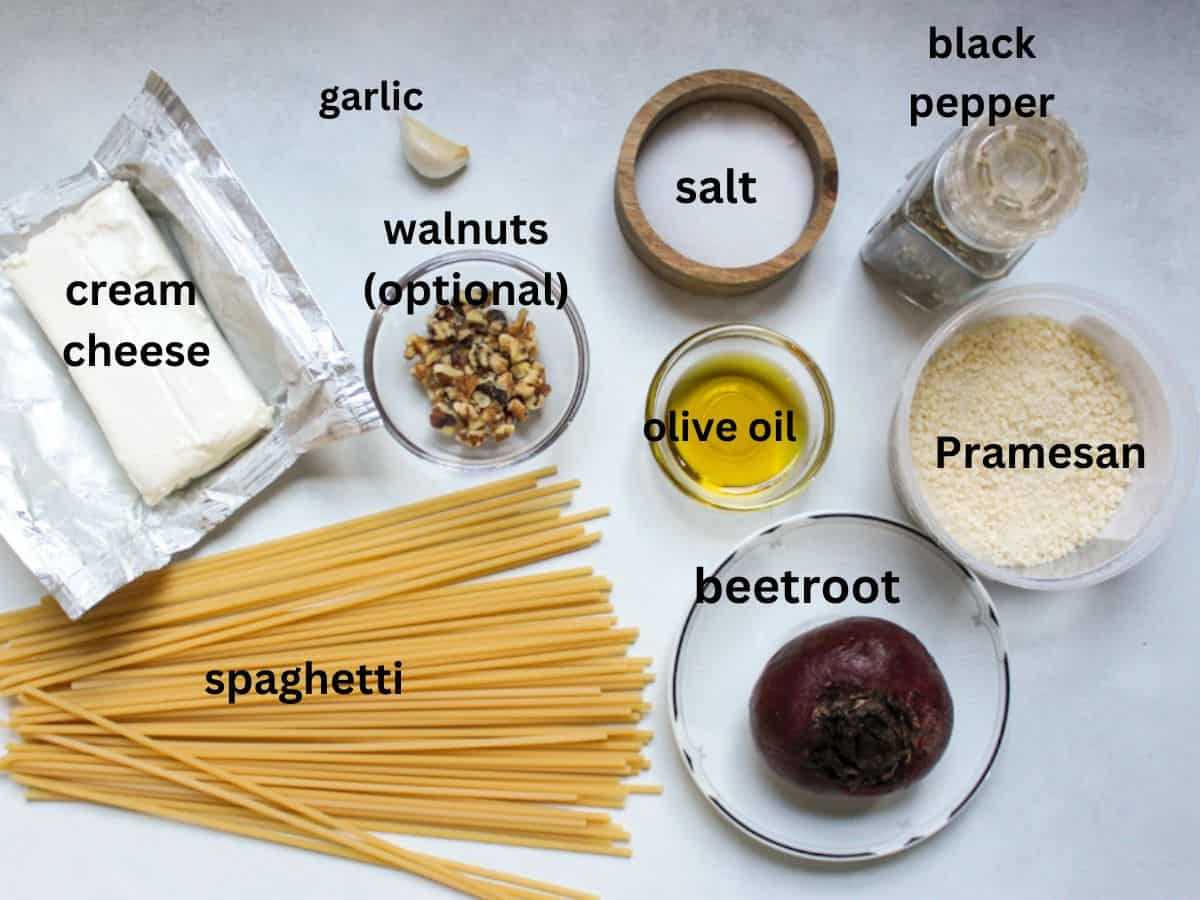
(431, 154)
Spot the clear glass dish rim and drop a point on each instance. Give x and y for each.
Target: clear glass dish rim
(755, 332)
(1159, 359)
(583, 359)
(999, 730)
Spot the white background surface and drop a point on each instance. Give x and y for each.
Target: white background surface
(1094, 792)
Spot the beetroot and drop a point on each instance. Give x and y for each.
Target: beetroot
(854, 707)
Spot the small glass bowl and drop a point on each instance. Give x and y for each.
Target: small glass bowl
(1163, 404)
(723, 647)
(776, 348)
(402, 402)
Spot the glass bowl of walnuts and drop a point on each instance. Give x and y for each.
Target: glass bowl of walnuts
(476, 359)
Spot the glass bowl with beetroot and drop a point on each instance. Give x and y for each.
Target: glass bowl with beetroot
(840, 687)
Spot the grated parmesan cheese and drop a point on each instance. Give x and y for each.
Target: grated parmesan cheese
(1025, 379)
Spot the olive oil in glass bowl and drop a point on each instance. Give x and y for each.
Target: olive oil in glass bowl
(745, 374)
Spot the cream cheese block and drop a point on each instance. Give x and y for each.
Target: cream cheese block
(166, 424)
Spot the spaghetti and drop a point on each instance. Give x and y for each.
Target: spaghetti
(516, 723)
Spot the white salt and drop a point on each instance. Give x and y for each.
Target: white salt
(703, 141)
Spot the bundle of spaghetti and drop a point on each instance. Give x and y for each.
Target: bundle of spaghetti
(516, 722)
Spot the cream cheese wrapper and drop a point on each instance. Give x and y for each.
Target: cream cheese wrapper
(106, 473)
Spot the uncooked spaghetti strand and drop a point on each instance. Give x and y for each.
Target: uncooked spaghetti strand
(537, 615)
(172, 604)
(486, 588)
(515, 752)
(430, 654)
(409, 613)
(159, 603)
(590, 658)
(177, 612)
(318, 536)
(424, 696)
(589, 672)
(533, 498)
(457, 645)
(248, 623)
(577, 845)
(273, 719)
(530, 832)
(16, 623)
(117, 603)
(443, 605)
(580, 782)
(471, 702)
(543, 502)
(581, 762)
(232, 821)
(539, 609)
(416, 647)
(430, 770)
(378, 718)
(512, 839)
(572, 790)
(567, 737)
(289, 812)
(543, 752)
(384, 785)
(337, 832)
(482, 815)
(531, 616)
(289, 585)
(342, 726)
(13, 616)
(496, 697)
(363, 729)
(201, 708)
(385, 583)
(613, 645)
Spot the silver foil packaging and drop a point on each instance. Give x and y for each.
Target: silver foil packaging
(66, 506)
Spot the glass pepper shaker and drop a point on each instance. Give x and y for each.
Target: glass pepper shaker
(968, 214)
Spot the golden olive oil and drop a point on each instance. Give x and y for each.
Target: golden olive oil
(742, 388)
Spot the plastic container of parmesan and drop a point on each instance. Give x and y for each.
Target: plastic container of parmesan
(1164, 406)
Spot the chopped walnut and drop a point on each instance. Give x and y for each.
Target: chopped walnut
(480, 371)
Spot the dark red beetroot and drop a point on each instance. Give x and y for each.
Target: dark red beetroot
(854, 707)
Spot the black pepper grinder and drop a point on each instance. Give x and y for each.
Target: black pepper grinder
(968, 214)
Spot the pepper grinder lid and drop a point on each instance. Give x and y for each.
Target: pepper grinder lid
(1001, 187)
